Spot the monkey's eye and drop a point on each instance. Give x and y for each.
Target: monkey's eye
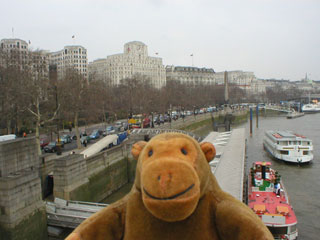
(150, 153)
(184, 151)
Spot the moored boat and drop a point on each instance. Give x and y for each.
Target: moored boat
(294, 114)
(288, 146)
(311, 108)
(268, 198)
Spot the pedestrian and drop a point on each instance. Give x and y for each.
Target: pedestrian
(24, 134)
(85, 143)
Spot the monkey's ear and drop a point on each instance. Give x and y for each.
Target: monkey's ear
(209, 150)
(137, 148)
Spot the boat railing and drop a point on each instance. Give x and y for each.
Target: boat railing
(269, 189)
(255, 189)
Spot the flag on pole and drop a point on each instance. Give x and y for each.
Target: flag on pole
(191, 55)
(72, 36)
(29, 42)
(157, 53)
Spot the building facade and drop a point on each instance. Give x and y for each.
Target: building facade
(98, 70)
(237, 78)
(14, 52)
(133, 62)
(74, 57)
(191, 75)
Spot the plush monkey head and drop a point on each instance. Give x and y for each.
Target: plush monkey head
(172, 174)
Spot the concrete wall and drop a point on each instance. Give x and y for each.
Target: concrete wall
(16, 155)
(93, 178)
(70, 172)
(22, 211)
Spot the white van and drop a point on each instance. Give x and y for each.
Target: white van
(7, 137)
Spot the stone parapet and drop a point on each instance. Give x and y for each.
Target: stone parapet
(17, 155)
(70, 172)
(20, 195)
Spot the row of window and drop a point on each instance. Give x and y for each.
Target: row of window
(13, 46)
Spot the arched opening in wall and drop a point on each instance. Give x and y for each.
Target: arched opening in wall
(48, 186)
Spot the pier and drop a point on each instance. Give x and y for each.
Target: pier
(229, 163)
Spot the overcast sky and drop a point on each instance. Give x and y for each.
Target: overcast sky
(272, 38)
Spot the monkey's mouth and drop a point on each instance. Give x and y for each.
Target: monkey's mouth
(170, 197)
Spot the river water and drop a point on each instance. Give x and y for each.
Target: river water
(301, 181)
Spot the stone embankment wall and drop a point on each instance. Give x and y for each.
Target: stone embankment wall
(22, 211)
(93, 178)
(96, 177)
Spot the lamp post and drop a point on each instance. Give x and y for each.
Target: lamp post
(170, 115)
(152, 124)
(58, 141)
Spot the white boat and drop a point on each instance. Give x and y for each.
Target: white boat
(288, 146)
(294, 114)
(311, 108)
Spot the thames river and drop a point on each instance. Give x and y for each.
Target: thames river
(301, 181)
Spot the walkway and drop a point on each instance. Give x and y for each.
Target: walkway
(229, 163)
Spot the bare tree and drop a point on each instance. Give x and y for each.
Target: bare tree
(38, 92)
(73, 93)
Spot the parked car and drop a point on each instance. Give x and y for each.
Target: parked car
(74, 136)
(146, 122)
(125, 126)
(95, 134)
(66, 138)
(43, 142)
(7, 137)
(85, 139)
(109, 130)
(119, 126)
(52, 147)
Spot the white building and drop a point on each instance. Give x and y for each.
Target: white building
(14, 51)
(191, 75)
(238, 78)
(98, 70)
(70, 57)
(134, 61)
(207, 76)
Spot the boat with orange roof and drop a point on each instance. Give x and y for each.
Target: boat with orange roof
(268, 198)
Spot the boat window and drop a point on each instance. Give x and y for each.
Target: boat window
(294, 142)
(290, 143)
(299, 142)
(305, 152)
(284, 152)
(278, 230)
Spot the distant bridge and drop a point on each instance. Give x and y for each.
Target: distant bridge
(279, 109)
